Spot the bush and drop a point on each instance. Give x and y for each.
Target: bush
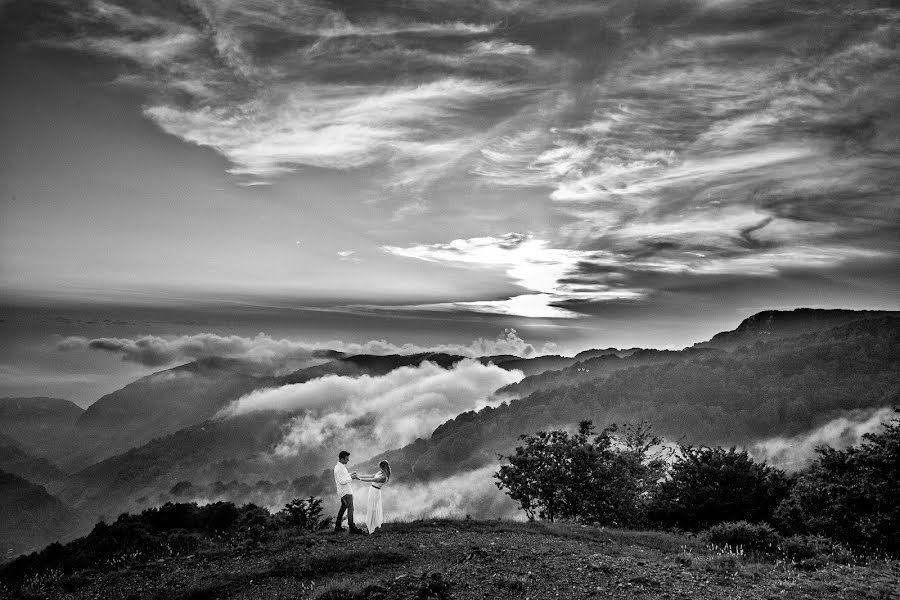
(812, 552)
(305, 514)
(183, 543)
(753, 537)
(154, 533)
(708, 486)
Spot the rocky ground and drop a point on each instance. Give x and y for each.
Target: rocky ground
(475, 560)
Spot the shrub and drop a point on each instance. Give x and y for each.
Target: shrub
(305, 514)
(708, 486)
(183, 543)
(812, 552)
(753, 537)
(255, 525)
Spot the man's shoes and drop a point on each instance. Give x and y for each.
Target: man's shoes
(356, 530)
(338, 529)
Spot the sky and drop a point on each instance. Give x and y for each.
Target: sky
(588, 173)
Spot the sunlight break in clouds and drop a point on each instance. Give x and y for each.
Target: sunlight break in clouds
(369, 414)
(530, 262)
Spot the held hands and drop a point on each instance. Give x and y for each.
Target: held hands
(354, 475)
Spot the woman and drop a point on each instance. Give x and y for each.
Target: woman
(375, 516)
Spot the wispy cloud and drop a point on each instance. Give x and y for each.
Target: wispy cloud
(700, 138)
(274, 87)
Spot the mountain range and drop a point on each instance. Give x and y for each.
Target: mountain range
(777, 374)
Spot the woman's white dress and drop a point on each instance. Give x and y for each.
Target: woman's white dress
(374, 514)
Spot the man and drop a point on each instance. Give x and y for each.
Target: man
(342, 481)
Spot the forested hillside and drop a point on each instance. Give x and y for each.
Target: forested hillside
(14, 459)
(30, 517)
(778, 388)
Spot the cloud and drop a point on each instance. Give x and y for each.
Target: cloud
(279, 354)
(154, 351)
(796, 452)
(348, 256)
(655, 125)
(472, 493)
(333, 125)
(528, 261)
(274, 87)
(368, 414)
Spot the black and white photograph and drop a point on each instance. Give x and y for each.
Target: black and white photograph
(450, 299)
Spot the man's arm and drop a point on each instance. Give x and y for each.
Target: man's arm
(341, 475)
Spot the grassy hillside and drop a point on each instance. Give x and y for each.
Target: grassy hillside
(468, 560)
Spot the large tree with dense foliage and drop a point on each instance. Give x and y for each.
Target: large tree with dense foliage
(555, 475)
(708, 486)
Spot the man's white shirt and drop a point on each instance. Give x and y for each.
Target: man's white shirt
(342, 480)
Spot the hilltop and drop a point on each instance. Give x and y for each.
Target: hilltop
(469, 560)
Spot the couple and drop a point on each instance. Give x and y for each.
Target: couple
(343, 479)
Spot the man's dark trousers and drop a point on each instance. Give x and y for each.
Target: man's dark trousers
(346, 505)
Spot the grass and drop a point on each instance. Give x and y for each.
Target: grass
(507, 560)
(338, 562)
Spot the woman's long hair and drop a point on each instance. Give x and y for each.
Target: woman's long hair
(385, 468)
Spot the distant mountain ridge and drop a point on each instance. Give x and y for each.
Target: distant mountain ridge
(774, 324)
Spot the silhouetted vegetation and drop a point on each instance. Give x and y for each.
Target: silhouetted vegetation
(304, 514)
(847, 498)
(558, 476)
(851, 495)
(708, 486)
(173, 529)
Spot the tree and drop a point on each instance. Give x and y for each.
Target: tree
(851, 495)
(555, 475)
(708, 486)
